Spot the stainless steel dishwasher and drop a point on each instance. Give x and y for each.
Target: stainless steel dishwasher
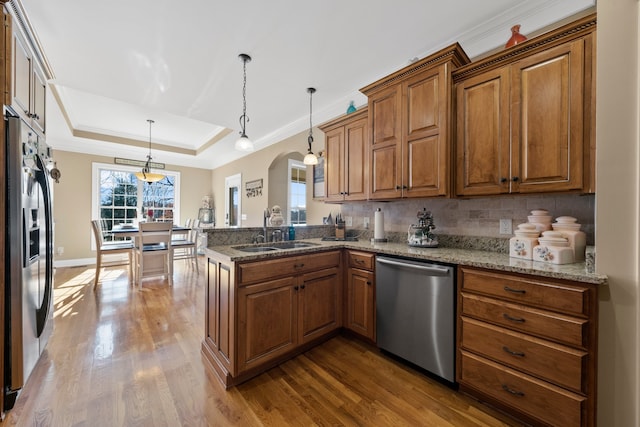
(415, 313)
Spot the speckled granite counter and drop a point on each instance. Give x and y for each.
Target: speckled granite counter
(475, 258)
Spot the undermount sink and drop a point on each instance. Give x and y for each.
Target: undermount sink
(275, 247)
(256, 249)
(293, 245)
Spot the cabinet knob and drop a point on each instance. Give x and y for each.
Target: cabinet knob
(369, 282)
(302, 287)
(404, 187)
(515, 179)
(295, 288)
(503, 180)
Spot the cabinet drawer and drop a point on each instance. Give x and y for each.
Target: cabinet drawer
(271, 268)
(550, 295)
(552, 362)
(538, 399)
(363, 260)
(565, 329)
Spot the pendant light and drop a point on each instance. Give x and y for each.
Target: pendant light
(145, 174)
(244, 143)
(310, 158)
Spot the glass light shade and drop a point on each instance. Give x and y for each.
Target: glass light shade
(244, 144)
(148, 176)
(310, 159)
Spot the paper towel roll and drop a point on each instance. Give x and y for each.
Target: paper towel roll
(378, 231)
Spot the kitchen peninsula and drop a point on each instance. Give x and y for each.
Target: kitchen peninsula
(265, 307)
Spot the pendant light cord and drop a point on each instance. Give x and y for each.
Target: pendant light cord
(244, 118)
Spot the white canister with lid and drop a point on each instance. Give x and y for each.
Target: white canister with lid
(570, 230)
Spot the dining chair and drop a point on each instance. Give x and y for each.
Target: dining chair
(154, 256)
(186, 248)
(104, 247)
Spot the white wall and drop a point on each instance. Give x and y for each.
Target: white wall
(617, 218)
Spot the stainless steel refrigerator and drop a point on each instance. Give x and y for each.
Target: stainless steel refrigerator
(29, 254)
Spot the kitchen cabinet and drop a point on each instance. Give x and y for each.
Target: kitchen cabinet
(28, 82)
(524, 116)
(528, 345)
(361, 303)
(346, 171)
(410, 119)
(260, 313)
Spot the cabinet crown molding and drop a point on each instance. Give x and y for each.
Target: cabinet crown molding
(453, 53)
(572, 30)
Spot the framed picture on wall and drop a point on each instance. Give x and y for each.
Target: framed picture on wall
(318, 179)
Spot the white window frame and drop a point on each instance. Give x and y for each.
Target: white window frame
(95, 189)
(294, 164)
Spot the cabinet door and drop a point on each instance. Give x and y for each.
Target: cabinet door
(425, 152)
(355, 163)
(39, 97)
(319, 303)
(385, 161)
(547, 120)
(219, 313)
(267, 321)
(360, 303)
(22, 66)
(334, 165)
(483, 134)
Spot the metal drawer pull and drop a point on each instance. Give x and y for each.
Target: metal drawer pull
(513, 353)
(513, 319)
(359, 261)
(298, 265)
(514, 392)
(515, 291)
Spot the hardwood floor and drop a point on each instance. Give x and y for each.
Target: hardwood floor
(121, 356)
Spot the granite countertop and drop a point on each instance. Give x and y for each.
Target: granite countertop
(474, 258)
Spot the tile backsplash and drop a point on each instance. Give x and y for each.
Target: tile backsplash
(475, 217)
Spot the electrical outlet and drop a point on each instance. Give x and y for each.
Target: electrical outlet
(506, 226)
(366, 222)
(60, 250)
(348, 221)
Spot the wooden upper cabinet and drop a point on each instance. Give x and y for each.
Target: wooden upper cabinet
(384, 152)
(482, 113)
(346, 162)
(28, 72)
(426, 149)
(525, 116)
(547, 95)
(410, 128)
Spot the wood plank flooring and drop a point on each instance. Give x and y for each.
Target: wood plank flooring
(126, 357)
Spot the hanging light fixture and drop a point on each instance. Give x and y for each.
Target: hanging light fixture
(244, 143)
(310, 158)
(145, 174)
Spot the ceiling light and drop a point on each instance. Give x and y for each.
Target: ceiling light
(310, 158)
(145, 174)
(244, 143)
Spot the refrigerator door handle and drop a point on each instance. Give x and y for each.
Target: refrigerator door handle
(42, 312)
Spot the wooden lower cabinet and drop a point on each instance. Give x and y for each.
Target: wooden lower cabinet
(361, 305)
(260, 313)
(528, 345)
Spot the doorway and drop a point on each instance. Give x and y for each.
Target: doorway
(232, 200)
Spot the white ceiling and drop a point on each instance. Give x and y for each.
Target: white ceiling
(118, 63)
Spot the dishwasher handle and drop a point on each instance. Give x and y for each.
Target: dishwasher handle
(433, 270)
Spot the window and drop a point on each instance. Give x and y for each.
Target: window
(297, 214)
(118, 197)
